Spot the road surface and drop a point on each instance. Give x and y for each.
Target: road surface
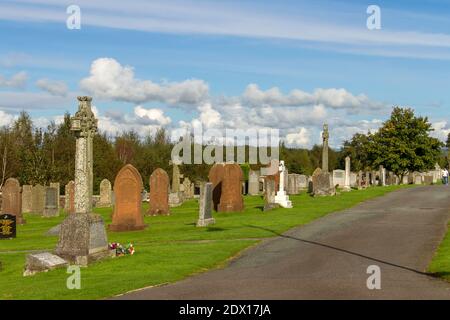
(328, 258)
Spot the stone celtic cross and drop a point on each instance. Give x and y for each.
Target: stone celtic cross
(84, 126)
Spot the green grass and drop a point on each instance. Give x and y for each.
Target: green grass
(171, 249)
(440, 265)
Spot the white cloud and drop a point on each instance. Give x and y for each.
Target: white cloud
(54, 87)
(154, 116)
(6, 119)
(17, 80)
(108, 79)
(441, 130)
(330, 98)
(301, 138)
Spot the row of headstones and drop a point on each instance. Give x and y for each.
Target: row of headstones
(128, 186)
(42, 200)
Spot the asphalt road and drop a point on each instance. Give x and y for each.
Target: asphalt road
(328, 258)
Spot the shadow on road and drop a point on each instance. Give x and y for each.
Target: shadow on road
(344, 251)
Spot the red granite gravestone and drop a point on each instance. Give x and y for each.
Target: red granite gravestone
(231, 196)
(159, 192)
(127, 214)
(215, 177)
(12, 200)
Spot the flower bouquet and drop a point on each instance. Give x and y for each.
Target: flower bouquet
(121, 250)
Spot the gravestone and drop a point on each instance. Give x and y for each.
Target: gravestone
(176, 199)
(302, 182)
(353, 180)
(428, 179)
(253, 183)
(231, 194)
(51, 203)
(347, 172)
(293, 185)
(417, 178)
(70, 197)
(12, 200)
(7, 226)
(127, 214)
(367, 179)
(187, 188)
(382, 173)
(175, 176)
(281, 197)
(43, 262)
(269, 194)
(159, 193)
(322, 185)
(215, 176)
(57, 186)
(360, 180)
(205, 206)
(82, 237)
(27, 193)
(105, 194)
(38, 199)
(339, 178)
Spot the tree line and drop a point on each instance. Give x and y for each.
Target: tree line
(36, 155)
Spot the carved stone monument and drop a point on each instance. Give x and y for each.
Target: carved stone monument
(322, 185)
(159, 193)
(231, 194)
(105, 194)
(51, 202)
(82, 238)
(38, 199)
(253, 183)
(127, 214)
(346, 186)
(27, 194)
(205, 206)
(325, 137)
(281, 197)
(12, 200)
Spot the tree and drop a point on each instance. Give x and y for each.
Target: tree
(403, 144)
(357, 150)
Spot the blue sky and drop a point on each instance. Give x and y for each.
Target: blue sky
(290, 65)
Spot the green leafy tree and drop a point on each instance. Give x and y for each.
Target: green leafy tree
(357, 150)
(403, 144)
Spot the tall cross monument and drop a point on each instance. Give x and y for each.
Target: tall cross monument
(325, 137)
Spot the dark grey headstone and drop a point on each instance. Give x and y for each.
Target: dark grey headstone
(205, 206)
(51, 202)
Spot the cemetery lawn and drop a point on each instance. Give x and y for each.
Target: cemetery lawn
(170, 249)
(440, 266)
